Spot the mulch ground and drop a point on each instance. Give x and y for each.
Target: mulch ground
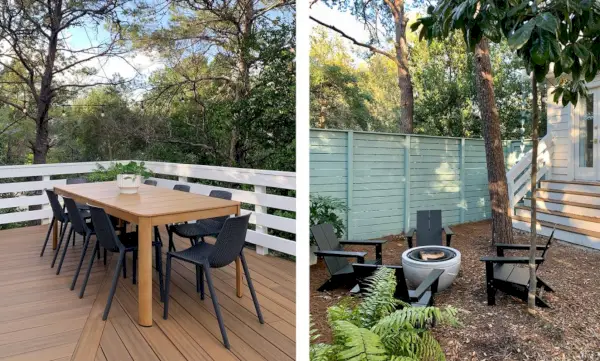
(570, 330)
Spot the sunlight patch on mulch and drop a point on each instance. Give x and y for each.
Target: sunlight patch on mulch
(570, 330)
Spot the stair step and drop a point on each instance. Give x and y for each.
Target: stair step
(562, 218)
(569, 196)
(573, 235)
(575, 186)
(569, 203)
(563, 214)
(563, 191)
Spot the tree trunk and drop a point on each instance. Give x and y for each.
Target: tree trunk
(501, 221)
(405, 123)
(533, 232)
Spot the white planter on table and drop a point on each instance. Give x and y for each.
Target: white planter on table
(129, 183)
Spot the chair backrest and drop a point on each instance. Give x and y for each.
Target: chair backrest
(364, 271)
(222, 195)
(57, 209)
(105, 232)
(181, 188)
(230, 241)
(429, 228)
(150, 182)
(77, 221)
(326, 239)
(76, 180)
(546, 248)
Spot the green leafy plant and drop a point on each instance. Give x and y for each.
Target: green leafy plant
(324, 209)
(103, 174)
(380, 327)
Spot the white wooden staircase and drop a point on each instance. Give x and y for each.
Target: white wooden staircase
(572, 206)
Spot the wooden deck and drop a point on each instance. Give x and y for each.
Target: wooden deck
(41, 319)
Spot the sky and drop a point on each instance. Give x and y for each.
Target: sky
(341, 20)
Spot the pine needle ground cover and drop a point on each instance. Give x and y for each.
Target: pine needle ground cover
(568, 331)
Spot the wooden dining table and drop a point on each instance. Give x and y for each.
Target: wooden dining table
(151, 206)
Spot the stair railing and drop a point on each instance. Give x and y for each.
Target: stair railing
(519, 176)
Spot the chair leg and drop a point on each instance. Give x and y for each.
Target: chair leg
(171, 243)
(113, 287)
(251, 287)
(86, 242)
(135, 259)
(200, 279)
(89, 270)
(59, 245)
(161, 285)
(167, 286)
(62, 257)
(125, 268)
(215, 301)
(48, 236)
(105, 254)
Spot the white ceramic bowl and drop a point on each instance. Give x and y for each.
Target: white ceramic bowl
(128, 183)
(416, 271)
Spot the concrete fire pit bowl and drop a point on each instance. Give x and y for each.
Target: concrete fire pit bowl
(417, 262)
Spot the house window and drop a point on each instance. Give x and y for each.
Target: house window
(586, 134)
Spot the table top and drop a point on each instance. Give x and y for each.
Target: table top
(150, 201)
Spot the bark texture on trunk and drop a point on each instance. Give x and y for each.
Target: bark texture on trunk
(405, 123)
(533, 234)
(497, 186)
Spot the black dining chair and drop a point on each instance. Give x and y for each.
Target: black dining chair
(150, 182)
(58, 214)
(202, 228)
(78, 226)
(76, 180)
(176, 187)
(121, 244)
(229, 246)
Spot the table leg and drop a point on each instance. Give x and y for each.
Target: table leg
(55, 234)
(145, 272)
(238, 270)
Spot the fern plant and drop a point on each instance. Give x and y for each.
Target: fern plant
(382, 328)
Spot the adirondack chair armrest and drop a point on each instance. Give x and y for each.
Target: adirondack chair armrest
(371, 242)
(360, 256)
(449, 235)
(409, 236)
(522, 260)
(500, 247)
(431, 282)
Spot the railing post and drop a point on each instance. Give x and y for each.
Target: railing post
(45, 206)
(349, 183)
(259, 228)
(406, 183)
(183, 179)
(463, 173)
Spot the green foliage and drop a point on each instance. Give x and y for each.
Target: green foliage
(324, 209)
(103, 174)
(561, 32)
(376, 329)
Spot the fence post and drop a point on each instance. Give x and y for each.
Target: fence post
(45, 206)
(259, 228)
(349, 183)
(463, 173)
(406, 183)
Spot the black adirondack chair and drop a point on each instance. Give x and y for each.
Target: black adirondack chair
(429, 230)
(505, 274)
(336, 258)
(422, 296)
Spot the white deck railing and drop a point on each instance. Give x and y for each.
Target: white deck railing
(257, 195)
(519, 176)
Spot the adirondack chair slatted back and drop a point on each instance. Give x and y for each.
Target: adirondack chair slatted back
(327, 240)
(364, 271)
(546, 248)
(429, 228)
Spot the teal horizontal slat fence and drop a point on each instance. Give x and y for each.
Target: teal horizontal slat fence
(385, 178)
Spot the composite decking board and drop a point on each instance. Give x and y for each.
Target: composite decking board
(112, 346)
(192, 329)
(240, 320)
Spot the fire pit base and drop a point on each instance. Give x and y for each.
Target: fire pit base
(417, 262)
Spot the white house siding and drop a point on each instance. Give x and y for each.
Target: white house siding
(560, 121)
